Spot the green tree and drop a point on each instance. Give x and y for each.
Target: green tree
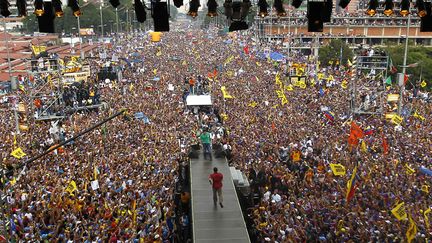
(332, 52)
(416, 54)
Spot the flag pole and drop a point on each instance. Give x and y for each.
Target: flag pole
(402, 85)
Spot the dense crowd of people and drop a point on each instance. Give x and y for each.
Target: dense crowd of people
(120, 182)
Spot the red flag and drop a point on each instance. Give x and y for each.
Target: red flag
(405, 79)
(356, 131)
(246, 50)
(214, 73)
(385, 145)
(273, 126)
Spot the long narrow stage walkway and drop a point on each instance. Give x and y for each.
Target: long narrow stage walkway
(210, 223)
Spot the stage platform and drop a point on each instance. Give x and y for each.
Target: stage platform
(210, 223)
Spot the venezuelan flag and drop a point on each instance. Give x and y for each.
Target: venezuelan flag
(369, 131)
(351, 186)
(329, 115)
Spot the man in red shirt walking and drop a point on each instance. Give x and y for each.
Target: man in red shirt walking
(215, 180)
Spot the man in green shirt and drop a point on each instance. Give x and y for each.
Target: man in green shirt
(206, 142)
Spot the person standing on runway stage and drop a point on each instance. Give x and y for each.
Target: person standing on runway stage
(215, 180)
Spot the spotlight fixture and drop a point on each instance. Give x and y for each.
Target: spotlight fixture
(421, 8)
(327, 11)
(4, 8)
(388, 7)
(160, 16)
(315, 16)
(22, 7)
(115, 3)
(73, 4)
(263, 5)
(426, 21)
(239, 12)
(344, 3)
(404, 7)
(280, 11)
(236, 11)
(245, 6)
(140, 12)
(58, 11)
(178, 3)
(193, 8)
(39, 10)
(373, 5)
(212, 8)
(296, 3)
(228, 7)
(46, 21)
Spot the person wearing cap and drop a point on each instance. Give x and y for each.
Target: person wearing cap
(215, 180)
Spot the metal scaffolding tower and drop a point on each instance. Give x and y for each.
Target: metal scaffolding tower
(367, 86)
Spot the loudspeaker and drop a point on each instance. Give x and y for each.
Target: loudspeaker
(238, 25)
(46, 21)
(426, 22)
(315, 18)
(327, 11)
(160, 16)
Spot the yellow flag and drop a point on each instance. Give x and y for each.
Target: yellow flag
(312, 82)
(423, 84)
(396, 119)
(409, 170)
(284, 100)
(18, 153)
(412, 230)
(338, 169)
(289, 87)
(399, 211)
(330, 78)
(277, 80)
(253, 104)
(95, 172)
(71, 187)
(426, 216)
(320, 76)
(225, 93)
(349, 63)
(258, 64)
(302, 84)
(280, 93)
(224, 116)
(425, 188)
(344, 84)
(38, 49)
(155, 71)
(364, 146)
(13, 181)
(228, 60)
(418, 116)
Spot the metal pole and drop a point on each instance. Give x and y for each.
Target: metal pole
(71, 139)
(79, 36)
(10, 75)
(402, 86)
(127, 21)
(117, 21)
(7, 48)
(101, 19)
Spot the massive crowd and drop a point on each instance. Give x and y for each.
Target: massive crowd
(119, 182)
